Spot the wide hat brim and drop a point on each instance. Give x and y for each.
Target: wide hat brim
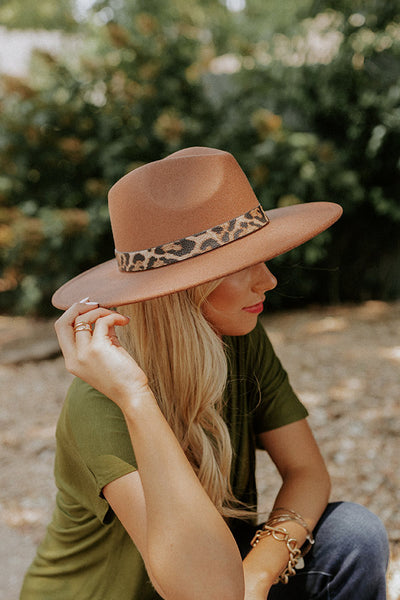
(288, 228)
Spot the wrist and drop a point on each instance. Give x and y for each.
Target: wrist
(256, 589)
(257, 581)
(134, 399)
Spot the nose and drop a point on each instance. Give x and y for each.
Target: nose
(264, 280)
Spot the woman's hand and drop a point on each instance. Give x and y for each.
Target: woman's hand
(95, 355)
(256, 588)
(253, 595)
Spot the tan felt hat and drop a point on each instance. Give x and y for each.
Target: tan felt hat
(187, 219)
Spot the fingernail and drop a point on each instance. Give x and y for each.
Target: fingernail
(86, 301)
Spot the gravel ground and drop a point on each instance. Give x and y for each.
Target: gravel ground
(343, 362)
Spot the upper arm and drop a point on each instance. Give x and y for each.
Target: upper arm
(292, 448)
(126, 498)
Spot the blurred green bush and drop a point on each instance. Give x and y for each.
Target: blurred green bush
(154, 77)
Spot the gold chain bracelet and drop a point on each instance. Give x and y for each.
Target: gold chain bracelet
(282, 515)
(280, 534)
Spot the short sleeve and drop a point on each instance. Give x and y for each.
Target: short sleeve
(277, 403)
(94, 446)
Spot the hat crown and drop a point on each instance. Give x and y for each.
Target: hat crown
(188, 192)
(157, 210)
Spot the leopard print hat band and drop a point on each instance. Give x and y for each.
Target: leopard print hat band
(193, 245)
(161, 207)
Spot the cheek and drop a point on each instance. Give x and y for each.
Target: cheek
(229, 323)
(225, 298)
(228, 318)
(212, 314)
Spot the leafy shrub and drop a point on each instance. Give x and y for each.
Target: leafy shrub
(149, 81)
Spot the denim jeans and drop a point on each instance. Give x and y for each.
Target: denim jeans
(347, 562)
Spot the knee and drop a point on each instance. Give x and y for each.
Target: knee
(351, 548)
(359, 531)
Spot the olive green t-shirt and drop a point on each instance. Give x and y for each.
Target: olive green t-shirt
(86, 553)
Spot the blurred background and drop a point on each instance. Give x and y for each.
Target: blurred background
(304, 93)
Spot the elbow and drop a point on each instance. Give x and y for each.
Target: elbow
(185, 582)
(227, 588)
(322, 484)
(327, 483)
(232, 589)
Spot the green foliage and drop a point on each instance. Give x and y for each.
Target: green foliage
(328, 132)
(153, 77)
(46, 14)
(70, 132)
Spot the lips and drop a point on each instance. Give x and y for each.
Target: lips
(255, 309)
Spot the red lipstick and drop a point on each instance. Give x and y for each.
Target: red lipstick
(255, 309)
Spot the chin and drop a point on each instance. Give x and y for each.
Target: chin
(236, 330)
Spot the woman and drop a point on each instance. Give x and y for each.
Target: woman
(156, 441)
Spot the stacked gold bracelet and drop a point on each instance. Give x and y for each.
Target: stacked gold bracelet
(286, 514)
(280, 534)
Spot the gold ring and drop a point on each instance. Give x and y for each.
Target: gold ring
(82, 326)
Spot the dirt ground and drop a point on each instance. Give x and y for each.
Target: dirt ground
(343, 362)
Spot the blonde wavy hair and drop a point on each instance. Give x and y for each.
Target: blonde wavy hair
(185, 362)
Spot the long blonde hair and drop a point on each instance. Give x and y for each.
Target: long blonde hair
(185, 362)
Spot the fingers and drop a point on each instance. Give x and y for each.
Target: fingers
(74, 329)
(69, 316)
(64, 326)
(92, 315)
(82, 326)
(104, 330)
(105, 326)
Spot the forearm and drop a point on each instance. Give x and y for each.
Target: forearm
(190, 550)
(186, 544)
(305, 491)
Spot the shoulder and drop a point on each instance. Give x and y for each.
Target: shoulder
(83, 397)
(86, 409)
(93, 426)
